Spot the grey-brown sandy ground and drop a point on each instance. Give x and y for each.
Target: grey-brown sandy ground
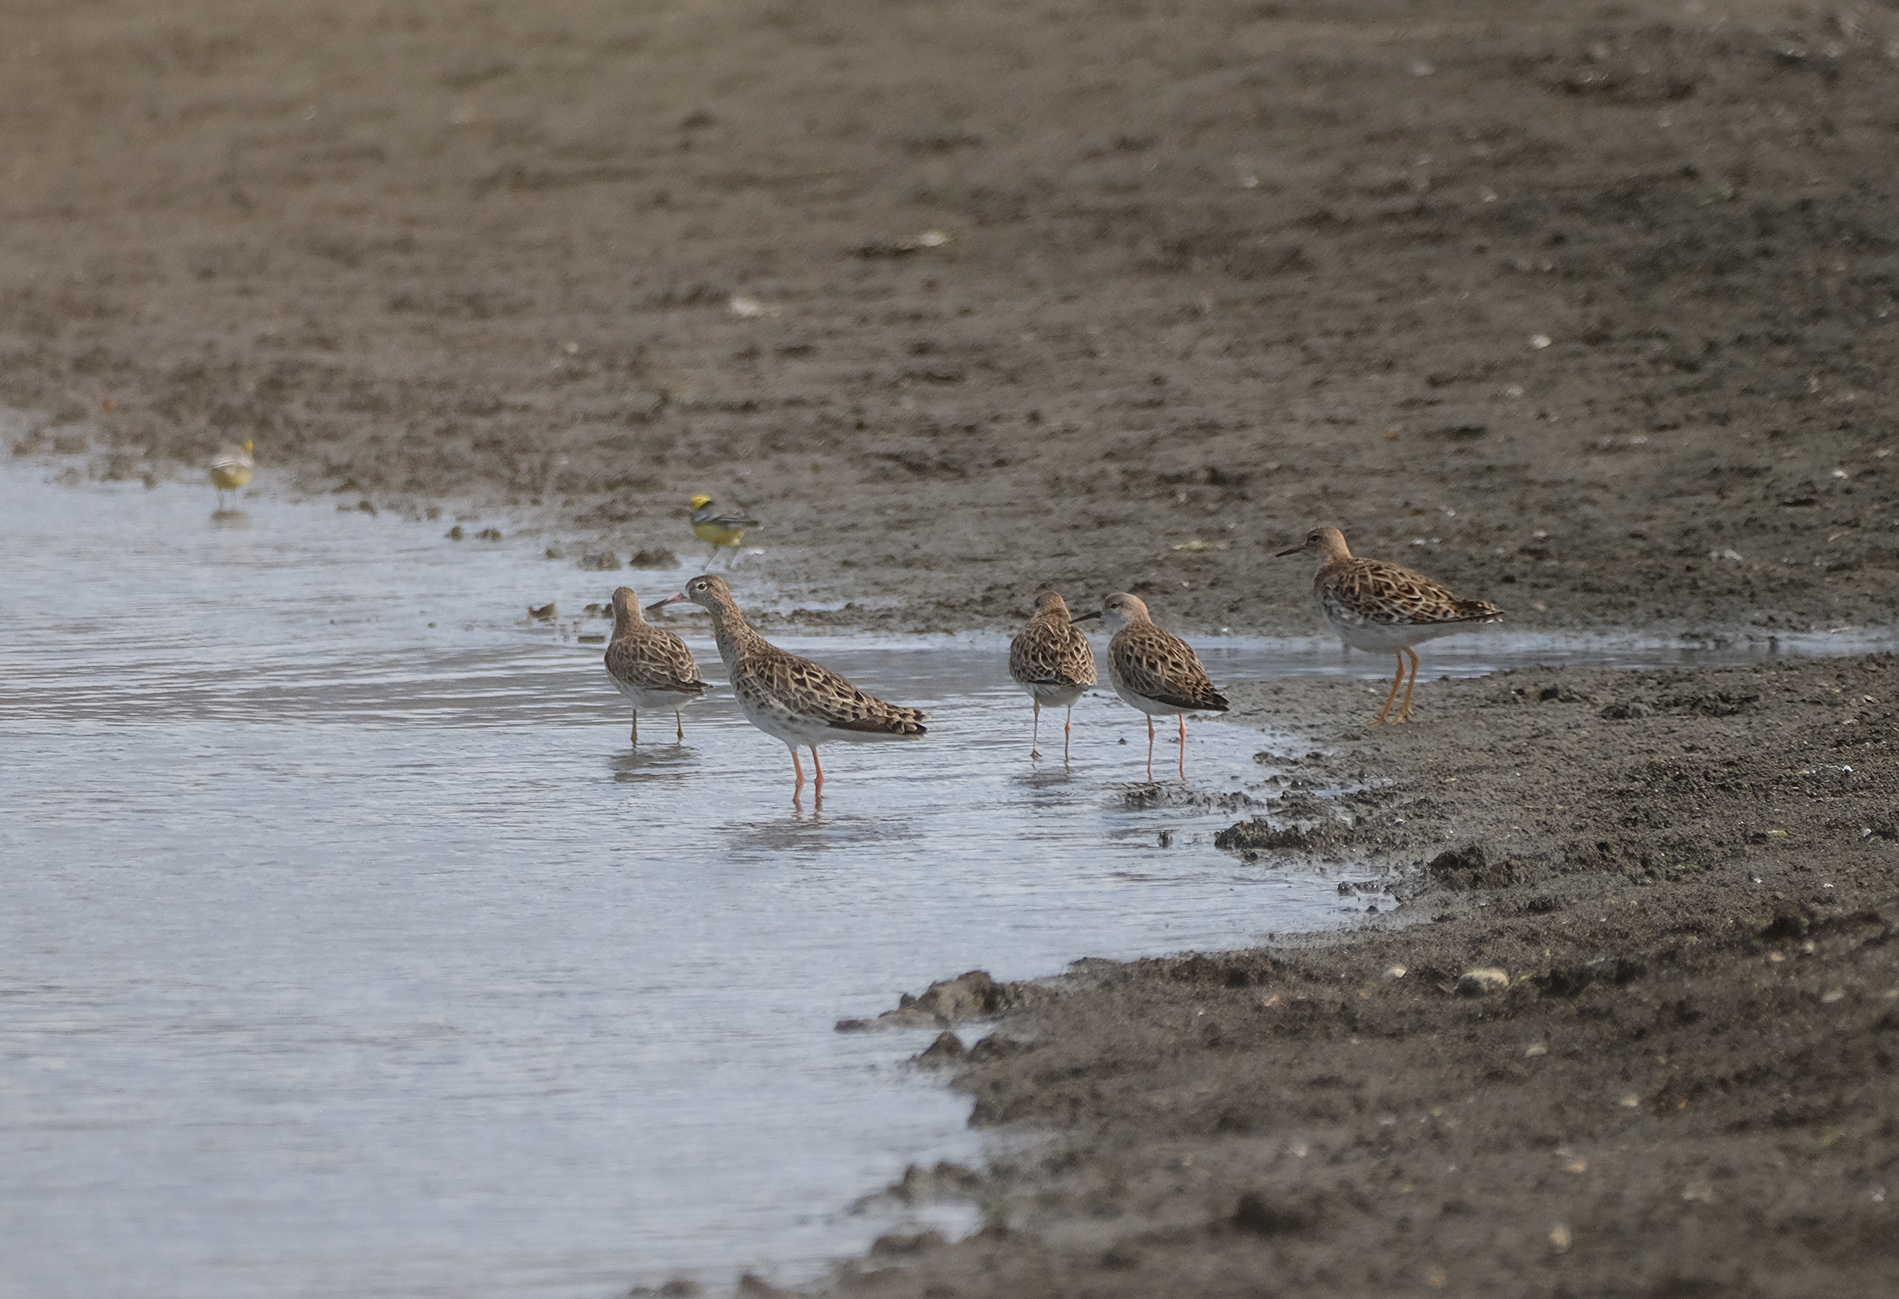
(1690, 1085)
(1217, 269)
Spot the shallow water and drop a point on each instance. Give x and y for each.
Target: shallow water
(346, 947)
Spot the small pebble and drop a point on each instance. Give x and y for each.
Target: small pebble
(1482, 981)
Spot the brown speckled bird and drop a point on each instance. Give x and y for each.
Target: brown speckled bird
(1052, 661)
(1156, 672)
(789, 698)
(648, 664)
(1384, 609)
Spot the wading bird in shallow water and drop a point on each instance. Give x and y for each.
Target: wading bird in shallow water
(1156, 672)
(789, 698)
(1052, 661)
(231, 469)
(1384, 609)
(718, 527)
(648, 664)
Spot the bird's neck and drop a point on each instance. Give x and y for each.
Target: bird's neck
(732, 633)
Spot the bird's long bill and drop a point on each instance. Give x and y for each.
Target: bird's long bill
(671, 599)
(1296, 550)
(1090, 616)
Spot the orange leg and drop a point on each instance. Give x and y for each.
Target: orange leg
(1395, 683)
(1183, 746)
(818, 767)
(1404, 713)
(1035, 736)
(1067, 726)
(799, 768)
(1150, 748)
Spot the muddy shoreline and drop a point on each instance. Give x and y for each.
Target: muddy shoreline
(1590, 312)
(1633, 1029)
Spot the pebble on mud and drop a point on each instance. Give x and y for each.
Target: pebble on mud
(651, 560)
(601, 561)
(1482, 981)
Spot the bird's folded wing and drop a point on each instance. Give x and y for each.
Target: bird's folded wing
(827, 698)
(1169, 673)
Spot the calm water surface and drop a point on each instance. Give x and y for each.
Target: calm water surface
(346, 948)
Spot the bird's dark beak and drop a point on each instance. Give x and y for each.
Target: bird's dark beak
(661, 604)
(1090, 616)
(1296, 550)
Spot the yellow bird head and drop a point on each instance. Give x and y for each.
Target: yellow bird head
(699, 501)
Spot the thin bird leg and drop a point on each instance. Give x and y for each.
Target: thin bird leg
(1150, 748)
(1404, 713)
(1395, 682)
(714, 555)
(1183, 746)
(1035, 736)
(636, 728)
(818, 765)
(680, 723)
(1067, 726)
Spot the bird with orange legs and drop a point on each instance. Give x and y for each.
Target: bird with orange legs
(1156, 672)
(792, 699)
(1051, 660)
(1385, 609)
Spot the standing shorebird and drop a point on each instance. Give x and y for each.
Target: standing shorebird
(789, 698)
(648, 664)
(1157, 673)
(718, 528)
(231, 469)
(1052, 661)
(1384, 609)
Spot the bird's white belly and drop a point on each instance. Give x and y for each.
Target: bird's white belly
(1387, 637)
(789, 728)
(1152, 707)
(643, 697)
(1050, 694)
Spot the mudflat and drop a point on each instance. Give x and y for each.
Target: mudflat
(1633, 1029)
(1590, 310)
(1584, 310)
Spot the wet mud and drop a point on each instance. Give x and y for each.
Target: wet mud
(1590, 312)
(1632, 1030)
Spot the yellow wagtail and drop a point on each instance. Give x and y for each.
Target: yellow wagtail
(231, 469)
(718, 528)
